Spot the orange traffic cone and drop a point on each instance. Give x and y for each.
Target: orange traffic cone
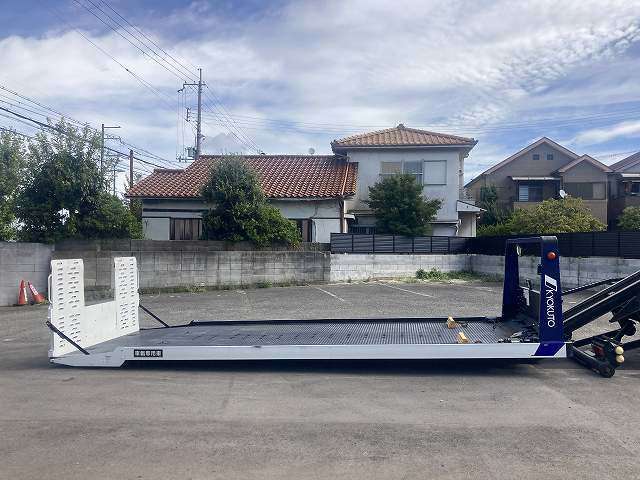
(22, 294)
(37, 297)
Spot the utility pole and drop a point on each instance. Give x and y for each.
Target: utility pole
(114, 180)
(130, 169)
(200, 84)
(102, 145)
(199, 134)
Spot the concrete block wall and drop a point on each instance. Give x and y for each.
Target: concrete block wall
(573, 271)
(166, 268)
(346, 267)
(18, 261)
(176, 264)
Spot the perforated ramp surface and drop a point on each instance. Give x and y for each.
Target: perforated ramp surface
(326, 332)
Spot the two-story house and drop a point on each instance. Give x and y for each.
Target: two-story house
(324, 194)
(539, 171)
(436, 160)
(624, 186)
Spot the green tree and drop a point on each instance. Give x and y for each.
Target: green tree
(12, 169)
(400, 208)
(494, 213)
(65, 193)
(629, 219)
(563, 215)
(239, 210)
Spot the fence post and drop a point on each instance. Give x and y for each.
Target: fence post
(352, 243)
(448, 244)
(570, 235)
(619, 246)
(393, 243)
(413, 244)
(593, 244)
(373, 239)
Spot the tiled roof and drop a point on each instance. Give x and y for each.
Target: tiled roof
(537, 143)
(626, 162)
(401, 136)
(281, 176)
(584, 158)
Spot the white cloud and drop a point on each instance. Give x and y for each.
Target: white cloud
(462, 64)
(600, 135)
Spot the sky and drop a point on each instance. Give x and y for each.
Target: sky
(287, 77)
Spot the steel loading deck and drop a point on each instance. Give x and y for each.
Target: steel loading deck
(401, 338)
(531, 325)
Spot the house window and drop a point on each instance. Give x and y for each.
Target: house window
(549, 156)
(530, 192)
(435, 172)
(390, 168)
(635, 188)
(586, 190)
(415, 169)
(185, 229)
(305, 227)
(536, 156)
(393, 168)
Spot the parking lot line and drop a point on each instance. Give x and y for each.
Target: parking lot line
(328, 293)
(405, 290)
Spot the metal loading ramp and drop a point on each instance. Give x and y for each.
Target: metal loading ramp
(531, 326)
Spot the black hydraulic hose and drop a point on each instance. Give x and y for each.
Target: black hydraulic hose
(155, 317)
(55, 329)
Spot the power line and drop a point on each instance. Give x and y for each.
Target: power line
(186, 69)
(252, 144)
(61, 131)
(269, 124)
(117, 31)
(140, 150)
(226, 120)
(11, 130)
(35, 102)
(127, 69)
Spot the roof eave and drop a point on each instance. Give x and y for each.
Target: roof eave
(324, 197)
(387, 147)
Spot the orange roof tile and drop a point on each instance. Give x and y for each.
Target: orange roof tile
(401, 136)
(281, 176)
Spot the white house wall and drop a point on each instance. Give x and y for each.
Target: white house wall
(325, 214)
(369, 173)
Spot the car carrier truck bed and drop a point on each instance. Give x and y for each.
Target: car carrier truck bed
(531, 326)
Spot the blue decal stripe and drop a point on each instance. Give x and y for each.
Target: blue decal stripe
(548, 349)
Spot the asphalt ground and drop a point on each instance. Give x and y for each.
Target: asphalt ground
(550, 419)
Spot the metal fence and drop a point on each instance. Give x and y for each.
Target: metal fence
(354, 243)
(584, 244)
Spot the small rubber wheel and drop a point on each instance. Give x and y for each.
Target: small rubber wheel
(606, 371)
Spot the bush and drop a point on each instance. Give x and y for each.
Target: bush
(564, 215)
(433, 274)
(239, 210)
(400, 208)
(629, 219)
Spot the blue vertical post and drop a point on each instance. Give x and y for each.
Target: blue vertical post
(550, 317)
